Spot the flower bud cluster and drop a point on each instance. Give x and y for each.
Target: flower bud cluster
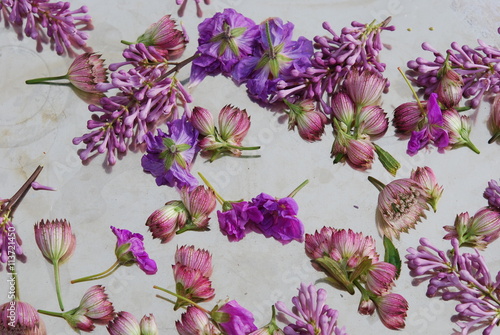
(350, 261)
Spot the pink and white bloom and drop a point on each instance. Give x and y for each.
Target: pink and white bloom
(426, 178)
(458, 128)
(365, 87)
(163, 223)
(408, 116)
(343, 109)
(200, 202)
(126, 324)
(196, 322)
(450, 86)
(373, 122)
(17, 317)
(310, 122)
(198, 259)
(392, 309)
(380, 277)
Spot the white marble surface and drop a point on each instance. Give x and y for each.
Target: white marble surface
(38, 122)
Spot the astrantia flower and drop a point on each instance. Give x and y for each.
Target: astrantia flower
(492, 193)
(279, 218)
(163, 223)
(373, 122)
(458, 128)
(364, 87)
(163, 36)
(426, 178)
(223, 40)
(195, 321)
(124, 324)
(408, 116)
(170, 155)
(392, 309)
(17, 317)
(233, 318)
(380, 277)
(432, 131)
(449, 89)
(494, 119)
(200, 203)
(148, 325)
(477, 231)
(342, 108)
(310, 122)
(234, 222)
(310, 313)
(57, 243)
(401, 204)
(198, 259)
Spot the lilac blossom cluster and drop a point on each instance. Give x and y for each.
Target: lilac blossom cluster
(49, 23)
(146, 94)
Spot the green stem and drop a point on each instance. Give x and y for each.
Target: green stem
(471, 146)
(126, 42)
(242, 148)
(182, 298)
(58, 284)
(412, 90)
(101, 275)
(45, 79)
(56, 314)
(217, 195)
(494, 138)
(377, 183)
(298, 188)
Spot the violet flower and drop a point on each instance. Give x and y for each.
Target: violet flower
(233, 222)
(432, 131)
(183, 3)
(170, 155)
(492, 193)
(223, 41)
(129, 250)
(310, 313)
(233, 319)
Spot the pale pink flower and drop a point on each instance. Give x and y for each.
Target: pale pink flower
(343, 109)
(392, 309)
(380, 277)
(458, 128)
(426, 178)
(195, 322)
(365, 87)
(199, 259)
(373, 122)
(234, 124)
(203, 121)
(163, 36)
(309, 122)
(449, 88)
(124, 324)
(163, 223)
(200, 203)
(17, 317)
(360, 153)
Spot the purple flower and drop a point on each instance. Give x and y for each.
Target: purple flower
(183, 3)
(170, 155)
(279, 218)
(224, 39)
(311, 314)
(492, 193)
(234, 223)
(130, 250)
(432, 130)
(274, 58)
(240, 320)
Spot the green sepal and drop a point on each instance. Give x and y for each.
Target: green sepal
(219, 317)
(392, 255)
(335, 272)
(388, 162)
(361, 269)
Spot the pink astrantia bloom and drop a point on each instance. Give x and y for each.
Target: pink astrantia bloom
(57, 243)
(203, 121)
(450, 87)
(233, 318)
(195, 321)
(17, 317)
(401, 204)
(198, 259)
(458, 128)
(124, 324)
(494, 119)
(365, 87)
(163, 223)
(309, 121)
(477, 231)
(342, 108)
(492, 193)
(392, 309)
(200, 203)
(360, 153)
(426, 178)
(311, 314)
(432, 131)
(380, 277)
(163, 36)
(373, 122)
(148, 325)
(408, 116)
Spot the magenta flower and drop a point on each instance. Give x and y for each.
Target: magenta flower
(130, 250)
(170, 155)
(163, 223)
(310, 122)
(492, 193)
(223, 41)
(17, 317)
(392, 309)
(279, 218)
(199, 203)
(310, 313)
(195, 321)
(183, 3)
(234, 222)
(432, 131)
(234, 319)
(426, 178)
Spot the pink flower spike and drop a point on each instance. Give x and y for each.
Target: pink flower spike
(392, 309)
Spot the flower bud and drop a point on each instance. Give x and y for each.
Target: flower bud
(492, 193)
(392, 310)
(202, 120)
(310, 122)
(426, 178)
(234, 124)
(200, 203)
(86, 71)
(166, 40)
(17, 317)
(148, 325)
(407, 117)
(380, 277)
(449, 88)
(373, 121)
(343, 108)
(364, 88)
(195, 321)
(366, 307)
(164, 222)
(124, 324)
(458, 128)
(360, 154)
(494, 119)
(55, 240)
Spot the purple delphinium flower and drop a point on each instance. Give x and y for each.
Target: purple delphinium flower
(130, 249)
(170, 155)
(310, 313)
(274, 58)
(479, 68)
(279, 218)
(50, 23)
(432, 131)
(239, 321)
(492, 193)
(223, 40)
(234, 223)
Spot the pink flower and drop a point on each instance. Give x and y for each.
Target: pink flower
(380, 277)
(234, 319)
(360, 154)
(200, 203)
(234, 124)
(494, 119)
(365, 87)
(492, 193)
(195, 321)
(163, 36)
(203, 121)
(373, 122)
(343, 109)
(198, 259)
(407, 117)
(458, 128)
(426, 178)
(86, 71)
(130, 250)
(17, 317)
(392, 309)
(309, 122)
(163, 223)
(449, 89)
(126, 324)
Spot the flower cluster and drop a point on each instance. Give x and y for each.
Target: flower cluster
(402, 202)
(350, 261)
(146, 94)
(125, 323)
(49, 23)
(463, 277)
(177, 216)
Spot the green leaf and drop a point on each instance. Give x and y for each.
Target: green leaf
(182, 147)
(237, 32)
(392, 255)
(389, 162)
